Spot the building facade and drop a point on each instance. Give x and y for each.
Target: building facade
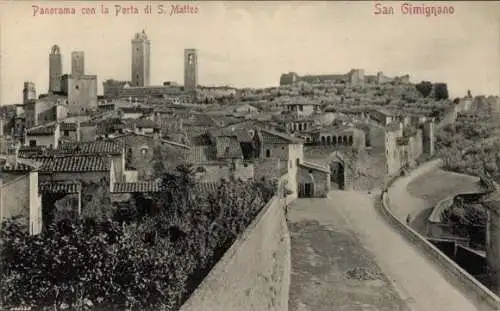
(81, 91)
(29, 92)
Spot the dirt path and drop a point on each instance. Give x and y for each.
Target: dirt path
(331, 236)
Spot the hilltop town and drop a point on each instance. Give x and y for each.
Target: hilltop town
(184, 169)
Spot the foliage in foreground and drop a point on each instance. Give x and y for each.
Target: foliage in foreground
(151, 263)
(468, 220)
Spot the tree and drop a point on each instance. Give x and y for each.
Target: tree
(425, 88)
(96, 201)
(152, 263)
(440, 91)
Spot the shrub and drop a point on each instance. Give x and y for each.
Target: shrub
(153, 262)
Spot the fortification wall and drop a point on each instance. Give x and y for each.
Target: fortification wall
(472, 288)
(254, 274)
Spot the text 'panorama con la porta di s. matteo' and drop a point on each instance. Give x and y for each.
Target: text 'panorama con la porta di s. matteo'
(168, 9)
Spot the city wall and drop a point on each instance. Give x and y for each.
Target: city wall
(254, 274)
(469, 286)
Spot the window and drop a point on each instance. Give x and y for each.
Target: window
(144, 151)
(310, 171)
(268, 153)
(190, 59)
(282, 148)
(298, 161)
(77, 87)
(245, 165)
(32, 143)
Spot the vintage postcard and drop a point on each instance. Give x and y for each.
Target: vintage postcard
(249, 155)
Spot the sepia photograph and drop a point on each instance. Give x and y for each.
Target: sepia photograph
(249, 155)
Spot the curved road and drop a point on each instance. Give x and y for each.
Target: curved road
(403, 204)
(417, 280)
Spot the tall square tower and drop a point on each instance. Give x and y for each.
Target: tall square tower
(190, 70)
(77, 63)
(55, 69)
(140, 59)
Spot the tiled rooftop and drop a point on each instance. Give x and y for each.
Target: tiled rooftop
(207, 186)
(137, 187)
(201, 154)
(21, 165)
(59, 187)
(164, 141)
(94, 147)
(272, 137)
(42, 130)
(315, 166)
(242, 135)
(67, 126)
(228, 147)
(73, 163)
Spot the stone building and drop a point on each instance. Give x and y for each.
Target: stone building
(381, 116)
(295, 124)
(284, 154)
(290, 78)
(19, 194)
(219, 156)
(47, 135)
(45, 110)
(190, 70)
(339, 136)
(313, 180)
(142, 151)
(356, 77)
(55, 69)
(29, 92)
(404, 145)
(112, 88)
(141, 61)
(302, 108)
(81, 92)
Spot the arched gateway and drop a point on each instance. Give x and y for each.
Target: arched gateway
(337, 171)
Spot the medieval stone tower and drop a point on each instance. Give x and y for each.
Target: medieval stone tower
(29, 92)
(190, 70)
(77, 63)
(55, 69)
(140, 59)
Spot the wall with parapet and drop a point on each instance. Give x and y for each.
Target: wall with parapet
(483, 298)
(254, 274)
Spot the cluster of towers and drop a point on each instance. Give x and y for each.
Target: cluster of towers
(141, 62)
(56, 67)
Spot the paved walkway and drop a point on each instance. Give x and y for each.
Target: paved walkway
(398, 192)
(331, 236)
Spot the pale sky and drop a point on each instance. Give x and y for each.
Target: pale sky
(249, 44)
